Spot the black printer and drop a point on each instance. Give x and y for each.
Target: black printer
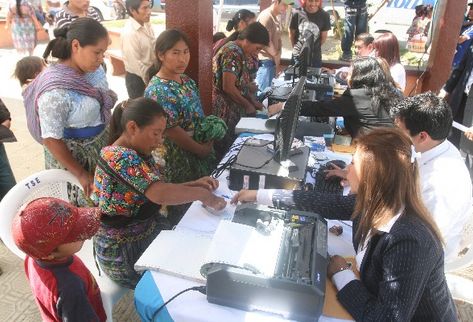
(297, 288)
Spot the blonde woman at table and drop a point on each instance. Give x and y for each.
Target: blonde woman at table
(129, 189)
(399, 246)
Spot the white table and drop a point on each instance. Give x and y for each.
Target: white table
(193, 306)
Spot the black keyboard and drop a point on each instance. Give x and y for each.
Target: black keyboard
(328, 185)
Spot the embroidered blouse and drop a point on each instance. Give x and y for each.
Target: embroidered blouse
(115, 198)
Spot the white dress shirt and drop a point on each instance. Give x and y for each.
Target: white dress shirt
(446, 192)
(137, 44)
(399, 75)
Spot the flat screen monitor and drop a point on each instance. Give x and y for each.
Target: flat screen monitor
(287, 122)
(305, 55)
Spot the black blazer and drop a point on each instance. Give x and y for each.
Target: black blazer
(355, 107)
(455, 86)
(456, 83)
(402, 277)
(402, 273)
(328, 205)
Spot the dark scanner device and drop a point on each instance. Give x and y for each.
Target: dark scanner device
(297, 288)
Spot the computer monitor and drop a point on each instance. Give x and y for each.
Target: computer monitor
(305, 55)
(287, 123)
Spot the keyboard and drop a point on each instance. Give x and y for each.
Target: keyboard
(328, 185)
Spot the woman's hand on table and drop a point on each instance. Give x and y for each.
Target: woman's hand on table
(207, 183)
(214, 202)
(275, 108)
(337, 263)
(244, 196)
(258, 105)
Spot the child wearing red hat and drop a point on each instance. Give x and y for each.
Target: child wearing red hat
(50, 231)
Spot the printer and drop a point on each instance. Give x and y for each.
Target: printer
(295, 286)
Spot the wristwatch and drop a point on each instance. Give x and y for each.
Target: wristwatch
(341, 269)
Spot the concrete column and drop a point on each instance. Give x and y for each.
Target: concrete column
(445, 38)
(195, 18)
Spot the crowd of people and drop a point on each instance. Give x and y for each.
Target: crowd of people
(141, 166)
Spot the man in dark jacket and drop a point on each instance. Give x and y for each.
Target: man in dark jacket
(458, 92)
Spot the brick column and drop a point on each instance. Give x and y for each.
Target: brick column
(445, 38)
(195, 18)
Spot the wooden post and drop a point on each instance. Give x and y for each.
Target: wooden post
(195, 18)
(444, 41)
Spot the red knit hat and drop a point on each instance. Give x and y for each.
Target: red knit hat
(45, 223)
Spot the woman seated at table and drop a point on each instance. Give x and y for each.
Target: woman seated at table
(399, 247)
(231, 94)
(387, 46)
(367, 102)
(185, 159)
(128, 189)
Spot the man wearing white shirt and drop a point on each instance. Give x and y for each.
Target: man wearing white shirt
(363, 48)
(137, 44)
(445, 182)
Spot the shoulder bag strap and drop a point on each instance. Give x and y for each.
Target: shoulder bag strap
(113, 174)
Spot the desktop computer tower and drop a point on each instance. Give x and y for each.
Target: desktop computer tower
(255, 168)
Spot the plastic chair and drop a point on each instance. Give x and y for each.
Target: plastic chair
(54, 183)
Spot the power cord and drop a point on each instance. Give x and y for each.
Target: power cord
(255, 167)
(420, 76)
(201, 289)
(217, 172)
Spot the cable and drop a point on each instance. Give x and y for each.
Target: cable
(255, 167)
(201, 289)
(217, 172)
(257, 145)
(421, 75)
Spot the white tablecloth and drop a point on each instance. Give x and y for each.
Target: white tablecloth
(193, 306)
